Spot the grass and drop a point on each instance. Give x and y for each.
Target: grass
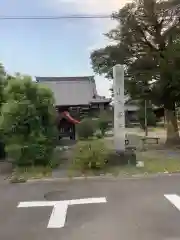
(34, 172)
(155, 162)
(113, 171)
(124, 171)
(159, 165)
(152, 164)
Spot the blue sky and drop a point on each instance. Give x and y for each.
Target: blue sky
(53, 48)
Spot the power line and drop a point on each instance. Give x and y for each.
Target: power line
(55, 17)
(70, 16)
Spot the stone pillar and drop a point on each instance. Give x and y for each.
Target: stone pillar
(119, 113)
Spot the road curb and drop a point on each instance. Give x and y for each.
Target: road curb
(68, 179)
(105, 177)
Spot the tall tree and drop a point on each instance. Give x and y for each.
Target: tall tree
(2, 81)
(147, 42)
(2, 99)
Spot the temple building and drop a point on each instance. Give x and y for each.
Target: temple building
(75, 98)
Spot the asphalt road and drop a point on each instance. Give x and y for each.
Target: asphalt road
(135, 209)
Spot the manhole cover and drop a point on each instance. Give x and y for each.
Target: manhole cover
(55, 195)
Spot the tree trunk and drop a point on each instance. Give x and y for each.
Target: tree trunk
(172, 137)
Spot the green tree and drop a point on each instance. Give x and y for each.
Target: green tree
(28, 121)
(2, 84)
(147, 43)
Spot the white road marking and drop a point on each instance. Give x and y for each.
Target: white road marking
(174, 199)
(59, 212)
(69, 202)
(58, 216)
(37, 204)
(87, 201)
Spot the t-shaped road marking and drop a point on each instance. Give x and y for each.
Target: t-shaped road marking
(174, 199)
(59, 212)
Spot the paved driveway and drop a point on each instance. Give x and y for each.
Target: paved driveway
(135, 209)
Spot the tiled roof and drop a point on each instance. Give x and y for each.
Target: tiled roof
(72, 91)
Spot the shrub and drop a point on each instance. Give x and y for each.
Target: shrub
(30, 154)
(98, 135)
(103, 123)
(85, 129)
(116, 158)
(90, 155)
(57, 158)
(28, 122)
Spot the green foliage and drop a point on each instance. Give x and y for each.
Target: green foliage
(28, 122)
(2, 84)
(90, 155)
(2, 99)
(22, 174)
(98, 135)
(57, 158)
(85, 129)
(156, 57)
(103, 123)
(116, 158)
(148, 45)
(151, 117)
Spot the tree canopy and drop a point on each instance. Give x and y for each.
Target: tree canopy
(147, 43)
(28, 121)
(2, 82)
